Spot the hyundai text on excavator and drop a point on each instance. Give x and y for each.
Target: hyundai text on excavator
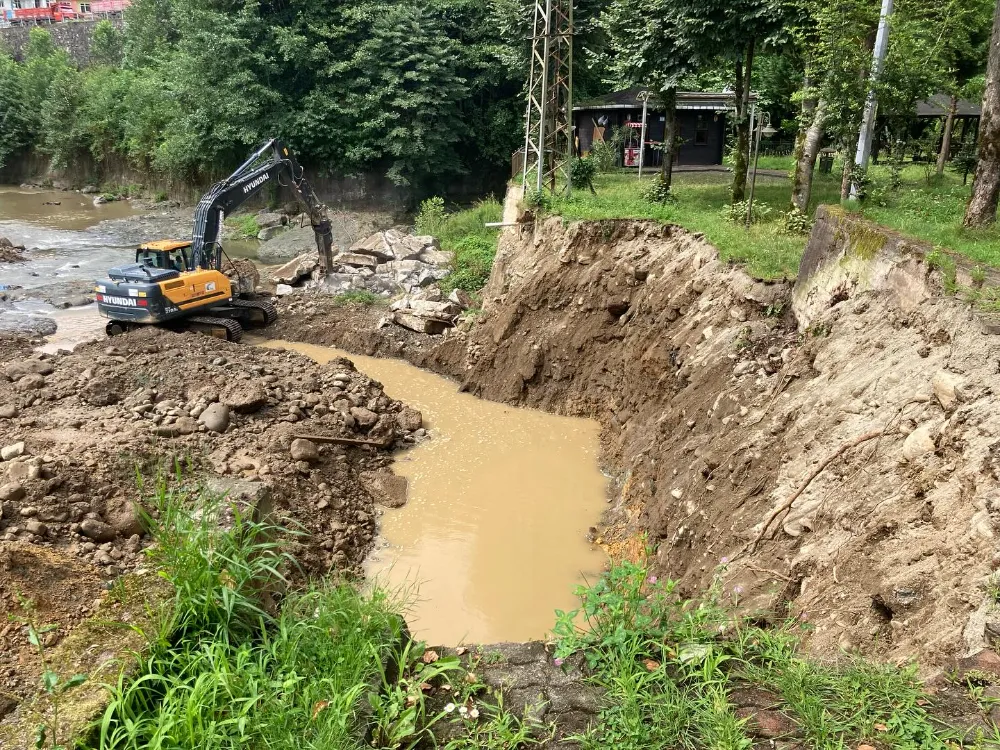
(181, 284)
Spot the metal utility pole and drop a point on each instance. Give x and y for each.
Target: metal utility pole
(871, 103)
(644, 98)
(548, 122)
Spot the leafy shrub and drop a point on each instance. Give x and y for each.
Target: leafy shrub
(736, 213)
(431, 217)
(473, 263)
(798, 222)
(582, 172)
(538, 200)
(658, 191)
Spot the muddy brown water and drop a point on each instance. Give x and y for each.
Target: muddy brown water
(493, 536)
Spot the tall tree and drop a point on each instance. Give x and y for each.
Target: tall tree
(651, 44)
(982, 208)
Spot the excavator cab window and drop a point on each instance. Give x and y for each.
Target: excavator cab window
(172, 260)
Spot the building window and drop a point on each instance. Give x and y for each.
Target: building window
(701, 131)
(85, 7)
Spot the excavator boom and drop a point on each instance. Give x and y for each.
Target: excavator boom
(272, 161)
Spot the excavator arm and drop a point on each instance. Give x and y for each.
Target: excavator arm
(272, 161)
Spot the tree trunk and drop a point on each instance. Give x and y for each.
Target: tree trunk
(669, 136)
(949, 127)
(982, 208)
(845, 182)
(806, 151)
(744, 68)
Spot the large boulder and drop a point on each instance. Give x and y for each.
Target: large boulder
(297, 269)
(269, 233)
(290, 244)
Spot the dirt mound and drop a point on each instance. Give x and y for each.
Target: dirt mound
(87, 421)
(867, 444)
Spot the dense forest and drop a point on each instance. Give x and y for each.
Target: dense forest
(422, 92)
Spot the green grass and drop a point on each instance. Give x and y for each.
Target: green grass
(768, 251)
(358, 297)
(929, 209)
(465, 234)
(244, 226)
(227, 668)
(669, 667)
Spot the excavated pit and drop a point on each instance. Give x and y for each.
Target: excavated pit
(843, 471)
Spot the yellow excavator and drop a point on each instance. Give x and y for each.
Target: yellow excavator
(180, 284)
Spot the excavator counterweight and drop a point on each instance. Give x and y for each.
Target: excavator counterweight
(180, 284)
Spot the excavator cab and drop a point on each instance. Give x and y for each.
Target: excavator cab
(166, 254)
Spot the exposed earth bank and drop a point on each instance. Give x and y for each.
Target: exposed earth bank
(842, 466)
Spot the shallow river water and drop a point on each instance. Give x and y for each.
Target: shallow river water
(70, 239)
(493, 535)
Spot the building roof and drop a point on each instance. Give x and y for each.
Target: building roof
(717, 101)
(938, 105)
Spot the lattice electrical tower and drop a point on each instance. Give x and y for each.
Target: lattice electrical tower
(548, 124)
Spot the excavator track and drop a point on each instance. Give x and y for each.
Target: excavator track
(220, 328)
(268, 313)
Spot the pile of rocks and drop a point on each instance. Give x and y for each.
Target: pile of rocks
(11, 253)
(77, 426)
(428, 311)
(386, 263)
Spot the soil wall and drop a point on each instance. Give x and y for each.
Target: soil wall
(839, 464)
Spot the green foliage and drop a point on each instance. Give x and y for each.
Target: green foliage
(244, 226)
(225, 671)
(473, 263)
(107, 44)
(582, 172)
(605, 155)
(657, 191)
(432, 217)
(53, 685)
(420, 92)
(736, 213)
(668, 666)
(358, 297)
(798, 222)
(538, 200)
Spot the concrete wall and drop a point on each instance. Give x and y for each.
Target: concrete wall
(72, 36)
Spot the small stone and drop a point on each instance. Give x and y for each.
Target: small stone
(11, 492)
(304, 450)
(677, 494)
(12, 451)
(29, 511)
(215, 417)
(364, 417)
(8, 411)
(37, 528)
(920, 442)
(97, 530)
(948, 388)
